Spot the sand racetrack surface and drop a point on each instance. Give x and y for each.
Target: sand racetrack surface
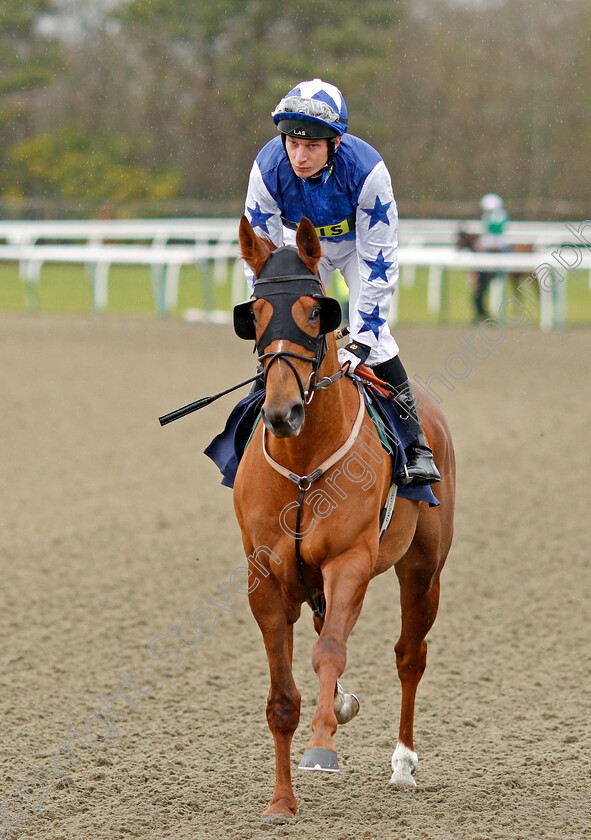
(115, 531)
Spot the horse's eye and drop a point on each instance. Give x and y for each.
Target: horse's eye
(315, 314)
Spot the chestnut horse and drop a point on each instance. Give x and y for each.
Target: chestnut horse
(333, 551)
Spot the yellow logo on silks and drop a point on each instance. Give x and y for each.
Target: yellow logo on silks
(326, 231)
(336, 230)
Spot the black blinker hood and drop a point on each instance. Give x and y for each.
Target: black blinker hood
(282, 280)
(284, 264)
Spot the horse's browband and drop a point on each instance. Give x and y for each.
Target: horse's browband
(307, 278)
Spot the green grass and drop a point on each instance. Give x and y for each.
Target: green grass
(67, 289)
(578, 310)
(456, 305)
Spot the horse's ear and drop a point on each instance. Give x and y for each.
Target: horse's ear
(309, 249)
(254, 250)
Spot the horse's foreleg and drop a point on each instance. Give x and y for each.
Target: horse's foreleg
(283, 702)
(346, 706)
(345, 582)
(419, 599)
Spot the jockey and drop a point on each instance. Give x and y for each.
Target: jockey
(315, 169)
(494, 219)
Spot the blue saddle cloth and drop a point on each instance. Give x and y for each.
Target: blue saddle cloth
(227, 448)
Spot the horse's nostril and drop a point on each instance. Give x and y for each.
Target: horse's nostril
(271, 415)
(284, 421)
(296, 416)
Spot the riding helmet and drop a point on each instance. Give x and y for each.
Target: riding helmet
(490, 202)
(312, 110)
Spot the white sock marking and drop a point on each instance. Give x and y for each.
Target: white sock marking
(404, 763)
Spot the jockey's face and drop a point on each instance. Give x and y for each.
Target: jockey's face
(307, 157)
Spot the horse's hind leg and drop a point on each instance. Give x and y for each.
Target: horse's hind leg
(419, 599)
(283, 702)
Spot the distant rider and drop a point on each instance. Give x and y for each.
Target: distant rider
(493, 238)
(494, 219)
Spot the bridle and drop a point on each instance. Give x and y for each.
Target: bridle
(313, 384)
(282, 280)
(282, 265)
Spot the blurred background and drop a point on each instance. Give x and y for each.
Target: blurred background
(135, 108)
(118, 110)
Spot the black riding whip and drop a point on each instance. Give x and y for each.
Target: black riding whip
(195, 406)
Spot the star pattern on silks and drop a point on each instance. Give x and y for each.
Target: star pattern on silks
(379, 267)
(258, 218)
(378, 213)
(372, 321)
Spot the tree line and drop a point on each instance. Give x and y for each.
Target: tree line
(158, 107)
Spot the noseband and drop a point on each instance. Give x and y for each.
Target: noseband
(313, 384)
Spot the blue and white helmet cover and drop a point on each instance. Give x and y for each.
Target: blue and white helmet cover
(314, 101)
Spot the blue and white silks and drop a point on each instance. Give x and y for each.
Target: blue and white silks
(358, 186)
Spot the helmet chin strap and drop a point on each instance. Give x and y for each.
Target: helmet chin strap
(322, 176)
(332, 148)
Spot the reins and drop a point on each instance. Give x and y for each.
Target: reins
(284, 276)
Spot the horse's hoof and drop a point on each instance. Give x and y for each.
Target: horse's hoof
(318, 758)
(346, 706)
(403, 780)
(404, 763)
(281, 811)
(277, 818)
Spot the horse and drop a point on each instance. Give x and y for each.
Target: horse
(481, 280)
(303, 463)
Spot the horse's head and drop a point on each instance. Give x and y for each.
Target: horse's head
(288, 318)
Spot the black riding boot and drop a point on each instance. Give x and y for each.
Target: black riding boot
(420, 467)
